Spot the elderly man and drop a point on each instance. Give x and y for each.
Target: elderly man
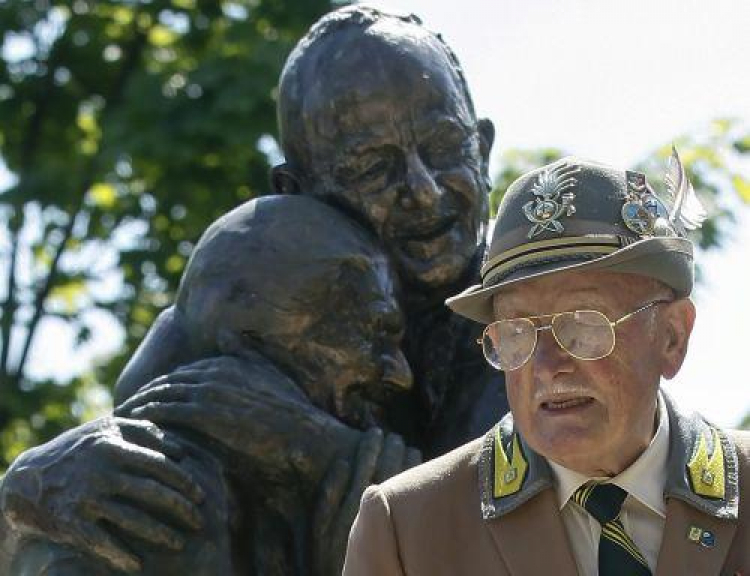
(595, 470)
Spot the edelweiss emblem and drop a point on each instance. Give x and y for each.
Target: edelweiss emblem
(551, 200)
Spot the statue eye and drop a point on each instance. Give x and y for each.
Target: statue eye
(445, 147)
(369, 166)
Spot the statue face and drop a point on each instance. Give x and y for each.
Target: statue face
(392, 139)
(293, 279)
(341, 340)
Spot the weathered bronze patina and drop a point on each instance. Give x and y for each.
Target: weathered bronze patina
(309, 344)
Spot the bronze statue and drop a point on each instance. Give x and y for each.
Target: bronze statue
(376, 118)
(287, 366)
(284, 346)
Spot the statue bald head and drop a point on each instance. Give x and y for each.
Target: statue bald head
(341, 49)
(270, 277)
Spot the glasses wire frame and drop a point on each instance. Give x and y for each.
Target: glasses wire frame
(550, 326)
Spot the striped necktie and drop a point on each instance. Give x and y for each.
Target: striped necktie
(618, 554)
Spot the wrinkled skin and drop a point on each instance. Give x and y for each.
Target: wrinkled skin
(614, 419)
(123, 472)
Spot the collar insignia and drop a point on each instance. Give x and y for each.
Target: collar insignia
(552, 201)
(509, 474)
(707, 472)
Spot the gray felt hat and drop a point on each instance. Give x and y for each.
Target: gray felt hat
(578, 215)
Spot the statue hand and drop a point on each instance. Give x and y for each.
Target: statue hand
(103, 480)
(250, 409)
(377, 459)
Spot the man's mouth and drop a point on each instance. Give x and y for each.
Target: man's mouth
(565, 405)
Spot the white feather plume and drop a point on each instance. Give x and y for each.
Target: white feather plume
(687, 210)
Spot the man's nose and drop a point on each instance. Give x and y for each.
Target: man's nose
(549, 358)
(421, 189)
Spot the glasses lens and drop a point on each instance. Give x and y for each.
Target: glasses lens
(508, 344)
(584, 334)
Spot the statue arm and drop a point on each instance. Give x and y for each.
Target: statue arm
(267, 429)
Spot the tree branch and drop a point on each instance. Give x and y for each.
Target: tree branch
(28, 152)
(132, 57)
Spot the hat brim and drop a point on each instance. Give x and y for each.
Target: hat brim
(667, 259)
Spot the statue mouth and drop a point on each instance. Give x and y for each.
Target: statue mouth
(427, 229)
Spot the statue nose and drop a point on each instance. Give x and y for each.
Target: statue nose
(396, 371)
(421, 189)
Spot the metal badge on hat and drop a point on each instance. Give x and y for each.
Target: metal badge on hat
(551, 202)
(640, 210)
(646, 215)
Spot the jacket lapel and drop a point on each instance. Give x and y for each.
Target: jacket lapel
(519, 505)
(702, 494)
(693, 542)
(532, 540)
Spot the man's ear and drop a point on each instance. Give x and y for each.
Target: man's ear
(486, 130)
(284, 180)
(679, 317)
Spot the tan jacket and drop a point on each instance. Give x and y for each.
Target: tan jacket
(487, 509)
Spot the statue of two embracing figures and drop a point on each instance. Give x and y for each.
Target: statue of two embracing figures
(308, 353)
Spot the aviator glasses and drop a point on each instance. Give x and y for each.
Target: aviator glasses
(584, 334)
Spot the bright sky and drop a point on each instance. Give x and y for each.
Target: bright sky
(609, 81)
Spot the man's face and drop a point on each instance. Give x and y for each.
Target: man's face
(338, 334)
(592, 416)
(393, 140)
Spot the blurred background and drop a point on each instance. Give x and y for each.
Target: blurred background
(127, 126)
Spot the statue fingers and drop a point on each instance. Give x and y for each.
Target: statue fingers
(150, 494)
(157, 466)
(326, 518)
(149, 435)
(166, 391)
(365, 465)
(100, 543)
(391, 460)
(132, 521)
(333, 489)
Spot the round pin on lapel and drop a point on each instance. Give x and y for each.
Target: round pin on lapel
(700, 536)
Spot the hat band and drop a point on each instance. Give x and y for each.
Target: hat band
(550, 250)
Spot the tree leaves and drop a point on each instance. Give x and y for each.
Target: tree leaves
(128, 128)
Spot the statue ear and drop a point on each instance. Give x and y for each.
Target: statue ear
(486, 138)
(284, 180)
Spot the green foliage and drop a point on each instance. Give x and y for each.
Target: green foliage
(129, 127)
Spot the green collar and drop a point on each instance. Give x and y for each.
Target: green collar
(702, 468)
